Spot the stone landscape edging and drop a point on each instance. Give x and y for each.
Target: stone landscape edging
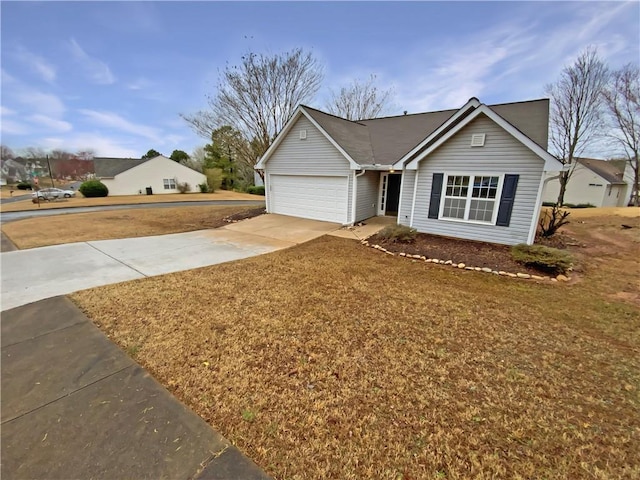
(463, 266)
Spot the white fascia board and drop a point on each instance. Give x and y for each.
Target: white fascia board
(301, 111)
(536, 213)
(472, 103)
(379, 168)
(278, 140)
(551, 163)
(354, 165)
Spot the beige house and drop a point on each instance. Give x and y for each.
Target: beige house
(600, 183)
(158, 175)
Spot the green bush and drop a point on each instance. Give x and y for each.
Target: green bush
(568, 205)
(94, 188)
(204, 188)
(183, 187)
(398, 234)
(24, 186)
(256, 190)
(543, 258)
(214, 178)
(548, 204)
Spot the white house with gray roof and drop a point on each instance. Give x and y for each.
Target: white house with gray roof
(127, 176)
(601, 183)
(475, 173)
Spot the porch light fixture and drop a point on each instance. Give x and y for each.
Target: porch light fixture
(391, 170)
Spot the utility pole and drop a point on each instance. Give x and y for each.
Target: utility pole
(50, 173)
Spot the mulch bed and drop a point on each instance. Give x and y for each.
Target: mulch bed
(471, 253)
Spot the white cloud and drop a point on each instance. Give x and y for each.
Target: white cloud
(41, 103)
(515, 60)
(36, 63)
(6, 111)
(97, 70)
(6, 78)
(139, 84)
(51, 123)
(12, 127)
(115, 121)
(101, 145)
(461, 71)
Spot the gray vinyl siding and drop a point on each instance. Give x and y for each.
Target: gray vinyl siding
(313, 156)
(501, 154)
(367, 195)
(406, 197)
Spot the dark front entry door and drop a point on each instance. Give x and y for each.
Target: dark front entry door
(393, 195)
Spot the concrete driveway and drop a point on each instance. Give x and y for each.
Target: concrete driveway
(39, 273)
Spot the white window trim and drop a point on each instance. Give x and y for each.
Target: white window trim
(166, 182)
(494, 215)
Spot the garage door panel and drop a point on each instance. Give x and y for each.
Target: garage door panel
(318, 198)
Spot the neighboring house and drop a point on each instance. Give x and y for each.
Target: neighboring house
(126, 176)
(474, 173)
(600, 183)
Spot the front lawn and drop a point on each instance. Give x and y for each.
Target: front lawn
(333, 360)
(80, 201)
(105, 225)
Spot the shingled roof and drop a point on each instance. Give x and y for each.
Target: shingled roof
(611, 170)
(110, 167)
(386, 140)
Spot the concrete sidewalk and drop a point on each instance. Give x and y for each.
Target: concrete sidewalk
(39, 273)
(75, 406)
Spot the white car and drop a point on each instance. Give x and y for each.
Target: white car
(52, 193)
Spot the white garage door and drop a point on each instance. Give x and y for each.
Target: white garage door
(318, 198)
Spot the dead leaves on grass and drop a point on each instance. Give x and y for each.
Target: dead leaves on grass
(83, 227)
(329, 360)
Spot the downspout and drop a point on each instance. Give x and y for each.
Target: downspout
(355, 192)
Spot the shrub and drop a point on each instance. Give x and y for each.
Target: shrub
(214, 178)
(183, 187)
(548, 204)
(256, 190)
(584, 205)
(24, 186)
(551, 220)
(543, 258)
(398, 234)
(94, 188)
(204, 188)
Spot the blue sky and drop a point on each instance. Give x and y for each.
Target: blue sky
(114, 76)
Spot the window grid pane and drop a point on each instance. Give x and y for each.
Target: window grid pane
(481, 210)
(454, 208)
(457, 186)
(484, 190)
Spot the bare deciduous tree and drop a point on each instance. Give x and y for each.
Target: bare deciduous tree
(61, 155)
(359, 101)
(622, 100)
(34, 153)
(6, 153)
(196, 159)
(576, 110)
(259, 96)
(86, 154)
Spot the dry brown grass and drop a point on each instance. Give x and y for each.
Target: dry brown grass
(83, 227)
(81, 201)
(604, 212)
(332, 360)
